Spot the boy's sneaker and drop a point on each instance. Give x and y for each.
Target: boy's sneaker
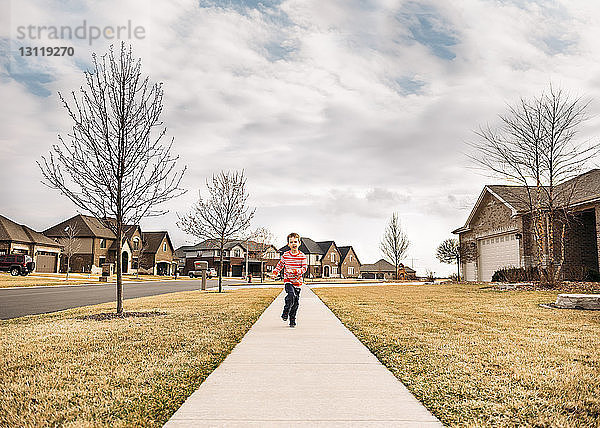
(292, 323)
(283, 317)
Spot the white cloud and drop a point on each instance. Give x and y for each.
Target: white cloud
(340, 112)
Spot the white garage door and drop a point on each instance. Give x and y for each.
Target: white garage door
(497, 252)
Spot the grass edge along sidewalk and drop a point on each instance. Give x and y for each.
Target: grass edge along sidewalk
(57, 369)
(479, 357)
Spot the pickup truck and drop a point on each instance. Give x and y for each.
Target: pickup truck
(17, 264)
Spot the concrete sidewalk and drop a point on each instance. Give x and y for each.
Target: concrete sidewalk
(317, 374)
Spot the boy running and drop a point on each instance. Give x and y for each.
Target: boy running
(293, 263)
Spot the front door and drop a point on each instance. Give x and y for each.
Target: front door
(124, 262)
(326, 271)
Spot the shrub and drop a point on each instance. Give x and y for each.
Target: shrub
(513, 274)
(580, 273)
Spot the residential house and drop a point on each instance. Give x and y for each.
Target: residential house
(19, 239)
(381, 269)
(350, 266)
(157, 256)
(498, 232)
(234, 256)
(95, 244)
(180, 256)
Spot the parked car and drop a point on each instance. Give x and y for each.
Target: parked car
(17, 264)
(210, 273)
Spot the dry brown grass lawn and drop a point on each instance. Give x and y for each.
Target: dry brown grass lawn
(7, 280)
(58, 370)
(479, 357)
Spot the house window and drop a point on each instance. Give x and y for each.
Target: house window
(350, 258)
(136, 243)
(164, 246)
(101, 261)
(350, 270)
(102, 243)
(333, 257)
(134, 263)
(237, 253)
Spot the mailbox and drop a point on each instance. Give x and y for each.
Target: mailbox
(108, 269)
(201, 265)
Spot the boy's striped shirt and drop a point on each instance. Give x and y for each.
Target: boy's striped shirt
(294, 266)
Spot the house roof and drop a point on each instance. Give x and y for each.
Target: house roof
(152, 241)
(213, 244)
(180, 252)
(344, 252)
(325, 245)
(578, 190)
(380, 265)
(85, 227)
(11, 231)
(129, 231)
(308, 246)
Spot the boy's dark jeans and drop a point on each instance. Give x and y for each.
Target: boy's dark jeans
(291, 302)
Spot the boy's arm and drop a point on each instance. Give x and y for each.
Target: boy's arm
(278, 268)
(304, 266)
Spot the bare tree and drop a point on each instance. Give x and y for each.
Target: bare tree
(71, 243)
(394, 243)
(114, 165)
(534, 147)
(449, 252)
(224, 216)
(264, 240)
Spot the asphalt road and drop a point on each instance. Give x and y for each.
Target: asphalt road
(18, 302)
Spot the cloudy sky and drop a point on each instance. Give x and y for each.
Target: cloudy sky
(340, 112)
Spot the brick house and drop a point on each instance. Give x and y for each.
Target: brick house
(157, 256)
(95, 245)
(326, 260)
(382, 269)
(234, 257)
(19, 239)
(498, 231)
(350, 266)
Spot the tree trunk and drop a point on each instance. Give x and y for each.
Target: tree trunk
(562, 255)
(221, 267)
(457, 269)
(68, 266)
(119, 268)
